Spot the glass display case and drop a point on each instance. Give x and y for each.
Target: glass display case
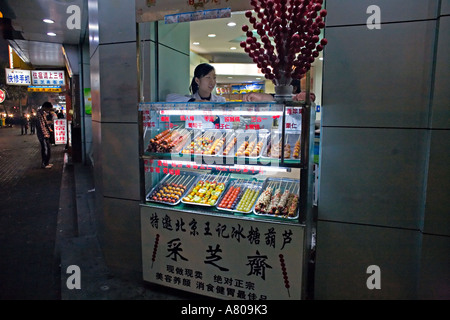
(227, 197)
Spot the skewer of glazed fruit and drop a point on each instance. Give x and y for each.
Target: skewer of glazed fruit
(206, 192)
(230, 198)
(283, 202)
(248, 198)
(292, 204)
(297, 149)
(242, 148)
(257, 150)
(278, 202)
(229, 146)
(200, 145)
(274, 150)
(172, 189)
(216, 146)
(264, 199)
(169, 140)
(274, 201)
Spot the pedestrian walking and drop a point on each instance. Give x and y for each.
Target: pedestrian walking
(44, 131)
(24, 124)
(33, 122)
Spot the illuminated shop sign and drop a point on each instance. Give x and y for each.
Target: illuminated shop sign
(44, 88)
(48, 78)
(18, 77)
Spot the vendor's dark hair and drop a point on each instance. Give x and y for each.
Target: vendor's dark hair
(200, 71)
(296, 83)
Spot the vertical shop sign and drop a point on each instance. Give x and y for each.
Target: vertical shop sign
(60, 127)
(221, 257)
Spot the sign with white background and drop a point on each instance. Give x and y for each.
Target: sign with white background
(18, 77)
(222, 257)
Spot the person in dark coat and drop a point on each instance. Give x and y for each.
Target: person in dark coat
(43, 131)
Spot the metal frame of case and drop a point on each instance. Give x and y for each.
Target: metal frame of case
(305, 205)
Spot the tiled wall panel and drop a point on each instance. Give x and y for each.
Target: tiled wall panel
(120, 161)
(351, 12)
(437, 209)
(441, 98)
(372, 176)
(378, 78)
(118, 82)
(345, 251)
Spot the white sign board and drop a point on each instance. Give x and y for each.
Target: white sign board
(18, 77)
(60, 127)
(223, 257)
(48, 78)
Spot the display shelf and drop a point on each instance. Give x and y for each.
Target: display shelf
(183, 140)
(179, 137)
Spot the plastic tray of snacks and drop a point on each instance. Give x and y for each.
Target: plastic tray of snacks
(172, 188)
(247, 144)
(206, 190)
(240, 196)
(169, 141)
(291, 146)
(278, 198)
(208, 142)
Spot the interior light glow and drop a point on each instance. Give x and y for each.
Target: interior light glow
(242, 167)
(51, 34)
(231, 24)
(48, 21)
(211, 35)
(221, 112)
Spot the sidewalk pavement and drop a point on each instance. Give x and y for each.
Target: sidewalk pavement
(47, 223)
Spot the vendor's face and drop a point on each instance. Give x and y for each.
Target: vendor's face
(206, 83)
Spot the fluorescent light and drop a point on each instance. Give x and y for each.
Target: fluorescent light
(233, 48)
(221, 112)
(48, 21)
(51, 34)
(211, 35)
(231, 24)
(195, 43)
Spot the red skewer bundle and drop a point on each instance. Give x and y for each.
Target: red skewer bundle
(155, 248)
(288, 37)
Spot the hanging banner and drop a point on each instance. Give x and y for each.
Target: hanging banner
(60, 127)
(222, 257)
(154, 10)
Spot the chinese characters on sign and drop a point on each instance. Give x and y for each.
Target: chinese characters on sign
(226, 258)
(60, 127)
(49, 78)
(18, 77)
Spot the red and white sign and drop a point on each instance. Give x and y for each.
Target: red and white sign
(60, 127)
(2, 95)
(48, 78)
